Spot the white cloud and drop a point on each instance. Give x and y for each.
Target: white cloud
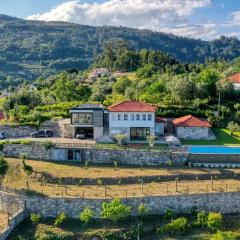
(234, 19)
(151, 14)
(195, 31)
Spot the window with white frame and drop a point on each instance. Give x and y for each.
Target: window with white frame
(137, 117)
(132, 117)
(144, 117)
(114, 117)
(125, 117)
(119, 117)
(149, 117)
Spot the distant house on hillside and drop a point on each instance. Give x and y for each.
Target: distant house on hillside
(190, 127)
(135, 119)
(99, 72)
(235, 80)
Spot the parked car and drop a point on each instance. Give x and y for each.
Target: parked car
(2, 136)
(81, 135)
(42, 134)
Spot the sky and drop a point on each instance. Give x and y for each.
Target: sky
(205, 19)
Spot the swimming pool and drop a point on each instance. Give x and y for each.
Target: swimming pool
(214, 150)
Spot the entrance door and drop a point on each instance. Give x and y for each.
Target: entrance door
(139, 133)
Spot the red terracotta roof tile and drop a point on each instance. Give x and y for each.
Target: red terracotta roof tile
(190, 121)
(132, 106)
(235, 78)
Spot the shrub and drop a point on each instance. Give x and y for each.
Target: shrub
(86, 215)
(120, 138)
(175, 226)
(35, 218)
(27, 168)
(214, 221)
(224, 236)
(194, 211)
(48, 145)
(99, 182)
(115, 210)
(60, 219)
(169, 214)
(201, 219)
(3, 165)
(142, 210)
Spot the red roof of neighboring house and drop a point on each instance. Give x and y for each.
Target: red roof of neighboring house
(132, 106)
(235, 78)
(160, 119)
(190, 121)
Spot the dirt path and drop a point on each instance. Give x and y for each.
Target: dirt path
(3, 221)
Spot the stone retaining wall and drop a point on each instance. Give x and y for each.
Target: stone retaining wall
(16, 131)
(228, 202)
(102, 156)
(33, 151)
(214, 158)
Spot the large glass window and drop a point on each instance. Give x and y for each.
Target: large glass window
(139, 133)
(82, 118)
(119, 117)
(144, 117)
(138, 117)
(125, 117)
(149, 117)
(132, 117)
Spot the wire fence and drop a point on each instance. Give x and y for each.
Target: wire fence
(124, 191)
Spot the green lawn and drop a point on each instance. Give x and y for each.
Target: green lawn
(223, 138)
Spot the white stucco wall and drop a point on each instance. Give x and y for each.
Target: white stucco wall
(159, 128)
(129, 123)
(192, 132)
(125, 125)
(236, 86)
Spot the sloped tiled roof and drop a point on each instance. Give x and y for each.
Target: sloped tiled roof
(235, 78)
(160, 119)
(190, 121)
(132, 106)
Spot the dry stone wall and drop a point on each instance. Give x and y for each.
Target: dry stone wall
(100, 156)
(17, 131)
(214, 158)
(50, 207)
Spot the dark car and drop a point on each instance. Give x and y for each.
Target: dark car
(42, 134)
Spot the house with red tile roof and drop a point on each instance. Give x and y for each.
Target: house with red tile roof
(135, 119)
(235, 80)
(190, 127)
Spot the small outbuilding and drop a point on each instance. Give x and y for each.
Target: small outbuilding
(190, 127)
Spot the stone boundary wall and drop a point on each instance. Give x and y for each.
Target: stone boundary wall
(15, 220)
(228, 202)
(17, 131)
(103, 156)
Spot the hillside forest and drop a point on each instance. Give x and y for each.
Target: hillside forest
(151, 76)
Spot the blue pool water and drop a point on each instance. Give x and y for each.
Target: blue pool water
(214, 150)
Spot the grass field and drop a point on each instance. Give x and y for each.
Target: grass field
(96, 172)
(223, 138)
(73, 229)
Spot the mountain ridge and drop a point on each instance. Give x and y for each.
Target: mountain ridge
(30, 49)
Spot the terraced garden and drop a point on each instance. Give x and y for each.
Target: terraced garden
(74, 180)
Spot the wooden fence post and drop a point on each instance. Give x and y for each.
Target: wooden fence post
(211, 182)
(27, 186)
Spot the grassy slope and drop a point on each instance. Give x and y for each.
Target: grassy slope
(223, 138)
